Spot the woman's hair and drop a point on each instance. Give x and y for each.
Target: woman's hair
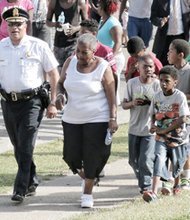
(181, 46)
(88, 39)
(109, 6)
(169, 70)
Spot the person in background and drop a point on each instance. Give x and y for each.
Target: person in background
(110, 33)
(65, 41)
(94, 10)
(24, 62)
(179, 49)
(173, 21)
(136, 48)
(137, 98)
(169, 110)
(5, 4)
(39, 27)
(90, 110)
(124, 19)
(139, 23)
(91, 26)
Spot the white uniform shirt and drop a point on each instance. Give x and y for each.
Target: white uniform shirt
(22, 67)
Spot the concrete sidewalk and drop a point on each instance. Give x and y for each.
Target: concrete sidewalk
(59, 198)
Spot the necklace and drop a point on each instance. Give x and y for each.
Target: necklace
(103, 22)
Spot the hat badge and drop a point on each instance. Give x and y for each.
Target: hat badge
(15, 12)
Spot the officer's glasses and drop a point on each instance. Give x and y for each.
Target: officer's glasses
(15, 24)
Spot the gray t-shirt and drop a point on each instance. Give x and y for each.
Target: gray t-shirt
(184, 79)
(139, 123)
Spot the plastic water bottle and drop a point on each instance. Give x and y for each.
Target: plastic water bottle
(108, 138)
(61, 20)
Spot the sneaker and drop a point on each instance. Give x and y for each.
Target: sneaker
(185, 183)
(142, 190)
(17, 197)
(167, 188)
(87, 201)
(176, 190)
(149, 196)
(31, 190)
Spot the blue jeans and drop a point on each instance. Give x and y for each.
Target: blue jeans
(141, 158)
(141, 27)
(177, 156)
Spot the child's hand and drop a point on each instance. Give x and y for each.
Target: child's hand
(138, 101)
(133, 67)
(161, 131)
(153, 128)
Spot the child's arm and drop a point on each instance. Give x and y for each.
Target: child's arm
(131, 69)
(174, 125)
(130, 104)
(153, 127)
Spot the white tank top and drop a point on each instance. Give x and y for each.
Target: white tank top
(87, 101)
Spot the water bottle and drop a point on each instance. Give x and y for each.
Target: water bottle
(61, 20)
(108, 138)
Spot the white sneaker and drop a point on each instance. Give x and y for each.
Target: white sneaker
(87, 201)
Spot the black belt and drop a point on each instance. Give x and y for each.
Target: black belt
(22, 96)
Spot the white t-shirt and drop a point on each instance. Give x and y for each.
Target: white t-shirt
(22, 67)
(167, 109)
(139, 123)
(140, 8)
(87, 100)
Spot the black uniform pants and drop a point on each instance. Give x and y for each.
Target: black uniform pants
(22, 120)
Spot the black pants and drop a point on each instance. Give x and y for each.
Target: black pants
(22, 120)
(84, 147)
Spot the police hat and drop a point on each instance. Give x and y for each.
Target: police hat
(15, 14)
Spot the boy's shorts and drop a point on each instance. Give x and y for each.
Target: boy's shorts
(177, 156)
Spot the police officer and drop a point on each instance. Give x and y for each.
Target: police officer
(24, 63)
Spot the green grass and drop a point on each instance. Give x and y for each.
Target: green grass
(48, 158)
(166, 208)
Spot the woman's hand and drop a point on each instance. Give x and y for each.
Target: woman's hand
(113, 126)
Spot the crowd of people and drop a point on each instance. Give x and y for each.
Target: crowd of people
(79, 74)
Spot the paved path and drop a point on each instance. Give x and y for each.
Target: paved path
(59, 198)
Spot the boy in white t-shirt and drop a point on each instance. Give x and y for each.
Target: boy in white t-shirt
(169, 110)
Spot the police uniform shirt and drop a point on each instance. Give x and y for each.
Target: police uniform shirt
(22, 67)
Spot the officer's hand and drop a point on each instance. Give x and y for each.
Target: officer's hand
(51, 111)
